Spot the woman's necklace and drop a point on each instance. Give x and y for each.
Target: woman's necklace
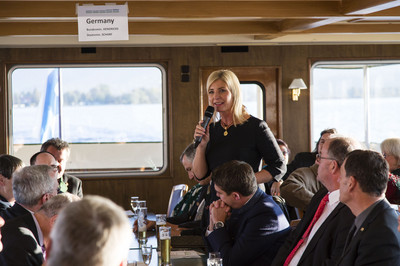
(225, 126)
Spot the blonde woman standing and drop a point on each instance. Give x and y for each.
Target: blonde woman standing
(235, 134)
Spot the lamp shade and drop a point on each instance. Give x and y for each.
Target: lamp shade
(297, 84)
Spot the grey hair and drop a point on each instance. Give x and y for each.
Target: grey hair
(54, 205)
(340, 146)
(31, 183)
(93, 232)
(392, 147)
(189, 152)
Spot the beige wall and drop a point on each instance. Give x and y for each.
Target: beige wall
(184, 104)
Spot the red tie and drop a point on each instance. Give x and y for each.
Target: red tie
(307, 232)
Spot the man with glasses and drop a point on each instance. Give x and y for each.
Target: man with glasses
(302, 184)
(320, 236)
(32, 187)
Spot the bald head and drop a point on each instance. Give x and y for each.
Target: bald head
(45, 158)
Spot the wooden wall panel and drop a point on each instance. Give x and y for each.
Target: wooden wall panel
(184, 104)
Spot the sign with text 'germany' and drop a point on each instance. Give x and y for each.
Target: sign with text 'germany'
(103, 23)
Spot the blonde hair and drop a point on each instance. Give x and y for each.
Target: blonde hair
(392, 147)
(232, 82)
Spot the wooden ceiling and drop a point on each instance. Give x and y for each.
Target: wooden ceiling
(198, 22)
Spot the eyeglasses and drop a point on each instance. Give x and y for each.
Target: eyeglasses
(319, 158)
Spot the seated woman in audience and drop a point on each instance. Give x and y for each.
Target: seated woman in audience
(391, 151)
(275, 185)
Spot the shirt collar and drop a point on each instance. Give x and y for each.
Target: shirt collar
(334, 197)
(40, 234)
(359, 220)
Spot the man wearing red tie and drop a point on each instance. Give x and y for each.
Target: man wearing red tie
(320, 236)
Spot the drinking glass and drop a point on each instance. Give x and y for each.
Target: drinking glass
(161, 220)
(140, 204)
(146, 254)
(214, 262)
(214, 259)
(134, 205)
(142, 221)
(165, 238)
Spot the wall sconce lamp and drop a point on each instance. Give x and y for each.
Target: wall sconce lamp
(296, 86)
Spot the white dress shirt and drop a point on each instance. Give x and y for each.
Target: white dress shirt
(329, 207)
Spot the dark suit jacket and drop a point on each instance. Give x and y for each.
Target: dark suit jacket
(377, 242)
(4, 204)
(253, 233)
(13, 212)
(74, 184)
(20, 243)
(327, 245)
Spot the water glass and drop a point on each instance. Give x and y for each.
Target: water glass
(214, 259)
(214, 262)
(142, 224)
(146, 253)
(161, 220)
(165, 239)
(133, 205)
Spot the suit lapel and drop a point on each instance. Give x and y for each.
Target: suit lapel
(364, 227)
(317, 236)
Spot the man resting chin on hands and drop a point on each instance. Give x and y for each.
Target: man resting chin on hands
(246, 226)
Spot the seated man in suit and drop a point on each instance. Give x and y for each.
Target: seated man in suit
(186, 209)
(320, 236)
(61, 151)
(32, 186)
(8, 165)
(246, 226)
(25, 237)
(373, 238)
(100, 237)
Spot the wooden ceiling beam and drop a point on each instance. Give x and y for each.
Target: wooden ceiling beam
(296, 25)
(357, 28)
(145, 28)
(363, 7)
(173, 9)
(340, 29)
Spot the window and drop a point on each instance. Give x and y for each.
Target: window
(253, 99)
(113, 116)
(359, 99)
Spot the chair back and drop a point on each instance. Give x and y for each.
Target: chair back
(177, 193)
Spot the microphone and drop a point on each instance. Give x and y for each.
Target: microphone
(206, 119)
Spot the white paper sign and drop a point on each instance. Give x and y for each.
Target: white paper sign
(103, 23)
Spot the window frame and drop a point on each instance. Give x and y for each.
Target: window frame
(361, 64)
(93, 172)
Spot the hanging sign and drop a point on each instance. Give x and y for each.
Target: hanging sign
(103, 23)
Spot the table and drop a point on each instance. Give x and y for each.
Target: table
(178, 258)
